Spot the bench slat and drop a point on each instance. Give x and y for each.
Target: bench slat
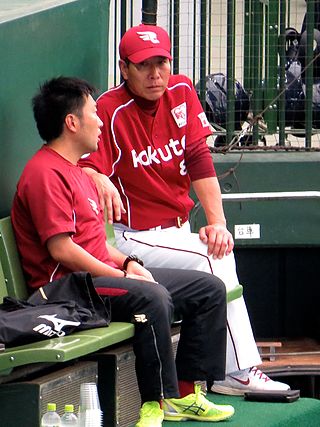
(10, 261)
(234, 293)
(66, 348)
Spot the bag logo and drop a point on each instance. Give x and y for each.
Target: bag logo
(58, 325)
(148, 36)
(180, 115)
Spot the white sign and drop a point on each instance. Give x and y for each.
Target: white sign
(247, 231)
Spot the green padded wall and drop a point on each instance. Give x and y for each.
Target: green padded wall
(282, 222)
(40, 40)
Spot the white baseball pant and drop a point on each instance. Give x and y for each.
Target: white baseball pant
(179, 248)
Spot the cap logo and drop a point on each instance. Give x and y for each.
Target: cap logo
(148, 36)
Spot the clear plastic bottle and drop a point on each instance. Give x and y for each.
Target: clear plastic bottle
(69, 418)
(51, 418)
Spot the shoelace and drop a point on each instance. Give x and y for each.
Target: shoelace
(259, 373)
(200, 395)
(199, 404)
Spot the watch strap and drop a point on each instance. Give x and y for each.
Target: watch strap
(129, 259)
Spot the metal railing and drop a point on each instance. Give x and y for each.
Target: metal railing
(271, 195)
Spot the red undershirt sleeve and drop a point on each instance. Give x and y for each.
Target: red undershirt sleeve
(199, 161)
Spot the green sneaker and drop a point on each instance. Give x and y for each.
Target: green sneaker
(195, 407)
(151, 415)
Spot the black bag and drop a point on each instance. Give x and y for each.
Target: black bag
(55, 310)
(216, 104)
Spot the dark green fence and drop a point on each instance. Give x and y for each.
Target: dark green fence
(259, 43)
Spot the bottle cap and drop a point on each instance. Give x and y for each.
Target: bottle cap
(68, 408)
(52, 406)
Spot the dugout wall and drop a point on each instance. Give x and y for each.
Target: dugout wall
(41, 39)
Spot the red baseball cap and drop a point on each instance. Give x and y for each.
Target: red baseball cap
(144, 41)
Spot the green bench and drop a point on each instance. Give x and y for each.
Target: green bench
(52, 350)
(12, 283)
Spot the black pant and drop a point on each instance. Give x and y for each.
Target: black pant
(199, 299)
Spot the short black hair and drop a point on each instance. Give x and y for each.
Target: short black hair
(56, 99)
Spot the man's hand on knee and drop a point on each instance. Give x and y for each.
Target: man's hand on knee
(136, 271)
(218, 239)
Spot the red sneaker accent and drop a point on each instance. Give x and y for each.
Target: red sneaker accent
(246, 382)
(261, 375)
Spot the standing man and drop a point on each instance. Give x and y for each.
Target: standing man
(153, 146)
(59, 228)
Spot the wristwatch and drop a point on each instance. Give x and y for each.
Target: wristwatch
(131, 258)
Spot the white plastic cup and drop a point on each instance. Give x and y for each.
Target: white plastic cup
(92, 418)
(90, 414)
(89, 398)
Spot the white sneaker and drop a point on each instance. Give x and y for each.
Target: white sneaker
(251, 379)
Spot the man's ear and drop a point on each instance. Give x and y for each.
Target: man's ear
(71, 122)
(123, 69)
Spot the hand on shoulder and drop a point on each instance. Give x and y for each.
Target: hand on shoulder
(109, 197)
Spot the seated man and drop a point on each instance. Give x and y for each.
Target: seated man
(153, 146)
(59, 227)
